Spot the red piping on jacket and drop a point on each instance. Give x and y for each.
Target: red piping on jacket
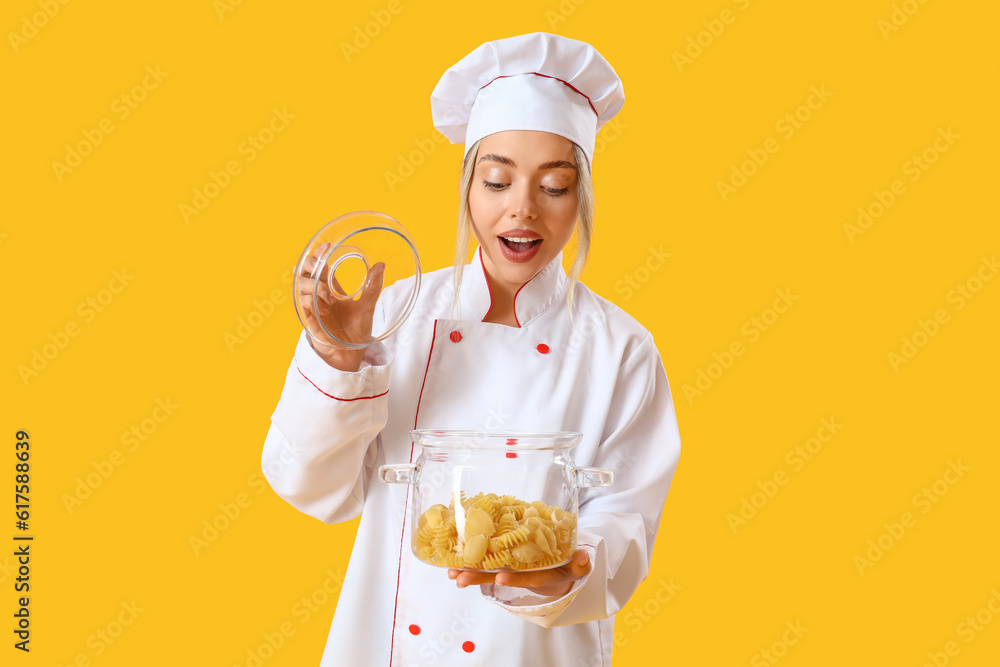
(486, 278)
(399, 566)
(359, 398)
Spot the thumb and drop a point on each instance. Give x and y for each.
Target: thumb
(580, 566)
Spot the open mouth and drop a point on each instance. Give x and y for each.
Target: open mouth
(520, 246)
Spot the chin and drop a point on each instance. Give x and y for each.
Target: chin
(522, 273)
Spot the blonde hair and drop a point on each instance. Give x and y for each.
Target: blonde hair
(584, 224)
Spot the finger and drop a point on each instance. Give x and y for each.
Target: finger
(473, 578)
(312, 318)
(580, 565)
(307, 287)
(312, 322)
(308, 266)
(577, 568)
(375, 278)
(337, 286)
(308, 316)
(373, 284)
(311, 263)
(466, 578)
(320, 249)
(324, 293)
(538, 579)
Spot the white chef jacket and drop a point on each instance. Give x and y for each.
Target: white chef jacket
(332, 430)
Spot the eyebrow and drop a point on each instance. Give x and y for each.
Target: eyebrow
(503, 159)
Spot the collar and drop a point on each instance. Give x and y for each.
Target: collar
(531, 299)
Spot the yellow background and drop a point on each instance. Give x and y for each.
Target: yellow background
(680, 132)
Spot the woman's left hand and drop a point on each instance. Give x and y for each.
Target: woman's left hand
(556, 581)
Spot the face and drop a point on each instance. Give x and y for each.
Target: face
(524, 203)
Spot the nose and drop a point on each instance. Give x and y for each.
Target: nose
(522, 204)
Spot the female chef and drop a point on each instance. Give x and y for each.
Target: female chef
(508, 342)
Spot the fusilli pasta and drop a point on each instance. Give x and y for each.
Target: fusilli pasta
(498, 532)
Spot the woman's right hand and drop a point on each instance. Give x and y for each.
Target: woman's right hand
(348, 319)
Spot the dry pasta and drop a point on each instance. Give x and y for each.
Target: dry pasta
(498, 532)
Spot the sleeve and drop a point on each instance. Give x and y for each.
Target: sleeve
(617, 525)
(324, 436)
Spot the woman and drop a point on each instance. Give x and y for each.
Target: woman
(506, 343)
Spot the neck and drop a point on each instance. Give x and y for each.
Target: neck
(502, 297)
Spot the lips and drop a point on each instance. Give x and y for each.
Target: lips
(519, 250)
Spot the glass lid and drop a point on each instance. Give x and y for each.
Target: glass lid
(342, 272)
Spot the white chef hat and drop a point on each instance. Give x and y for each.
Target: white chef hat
(537, 81)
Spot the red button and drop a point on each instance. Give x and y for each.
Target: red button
(414, 629)
(455, 336)
(543, 348)
(468, 647)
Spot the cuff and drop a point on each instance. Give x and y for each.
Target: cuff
(371, 380)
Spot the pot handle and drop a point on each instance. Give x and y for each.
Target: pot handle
(404, 473)
(594, 477)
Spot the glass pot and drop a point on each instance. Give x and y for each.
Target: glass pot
(494, 501)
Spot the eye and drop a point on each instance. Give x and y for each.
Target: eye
(496, 187)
